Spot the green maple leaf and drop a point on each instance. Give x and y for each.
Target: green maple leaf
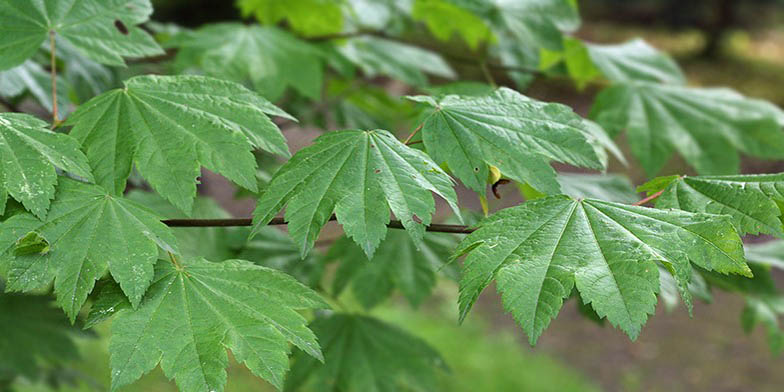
(35, 335)
(360, 175)
(196, 309)
(707, 126)
(87, 232)
(753, 201)
(611, 252)
(635, 60)
(365, 354)
(268, 58)
(510, 131)
(105, 30)
(378, 56)
(309, 17)
(396, 264)
(29, 153)
(169, 126)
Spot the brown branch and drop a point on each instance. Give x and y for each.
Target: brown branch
(649, 198)
(234, 222)
(408, 139)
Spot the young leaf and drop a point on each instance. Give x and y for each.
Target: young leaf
(196, 309)
(403, 62)
(508, 130)
(444, 19)
(365, 354)
(751, 200)
(397, 264)
(635, 60)
(706, 126)
(87, 231)
(91, 26)
(268, 58)
(29, 153)
(309, 17)
(360, 175)
(533, 23)
(170, 126)
(539, 251)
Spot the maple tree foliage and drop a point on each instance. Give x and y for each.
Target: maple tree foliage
(92, 203)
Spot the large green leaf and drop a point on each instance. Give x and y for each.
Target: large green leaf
(378, 56)
(309, 17)
(169, 126)
(397, 264)
(707, 126)
(88, 231)
(539, 251)
(103, 30)
(751, 200)
(29, 153)
(360, 175)
(635, 60)
(508, 130)
(196, 309)
(364, 354)
(268, 58)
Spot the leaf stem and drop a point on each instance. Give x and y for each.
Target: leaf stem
(488, 75)
(412, 134)
(649, 198)
(234, 222)
(53, 69)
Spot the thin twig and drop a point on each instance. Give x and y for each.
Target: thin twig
(408, 139)
(54, 78)
(649, 198)
(234, 222)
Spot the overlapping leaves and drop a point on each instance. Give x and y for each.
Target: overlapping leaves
(29, 154)
(508, 130)
(86, 232)
(707, 126)
(169, 126)
(196, 309)
(610, 252)
(360, 176)
(103, 30)
(365, 354)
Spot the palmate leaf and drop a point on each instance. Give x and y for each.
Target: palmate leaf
(397, 264)
(308, 17)
(103, 30)
(707, 126)
(365, 354)
(169, 126)
(196, 309)
(378, 56)
(268, 58)
(88, 231)
(508, 130)
(753, 201)
(611, 252)
(360, 175)
(635, 60)
(29, 153)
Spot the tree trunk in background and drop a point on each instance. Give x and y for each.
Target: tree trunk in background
(723, 20)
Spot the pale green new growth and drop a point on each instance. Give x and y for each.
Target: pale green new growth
(89, 25)
(29, 153)
(753, 201)
(360, 176)
(196, 309)
(510, 131)
(707, 126)
(88, 232)
(364, 354)
(169, 126)
(611, 252)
